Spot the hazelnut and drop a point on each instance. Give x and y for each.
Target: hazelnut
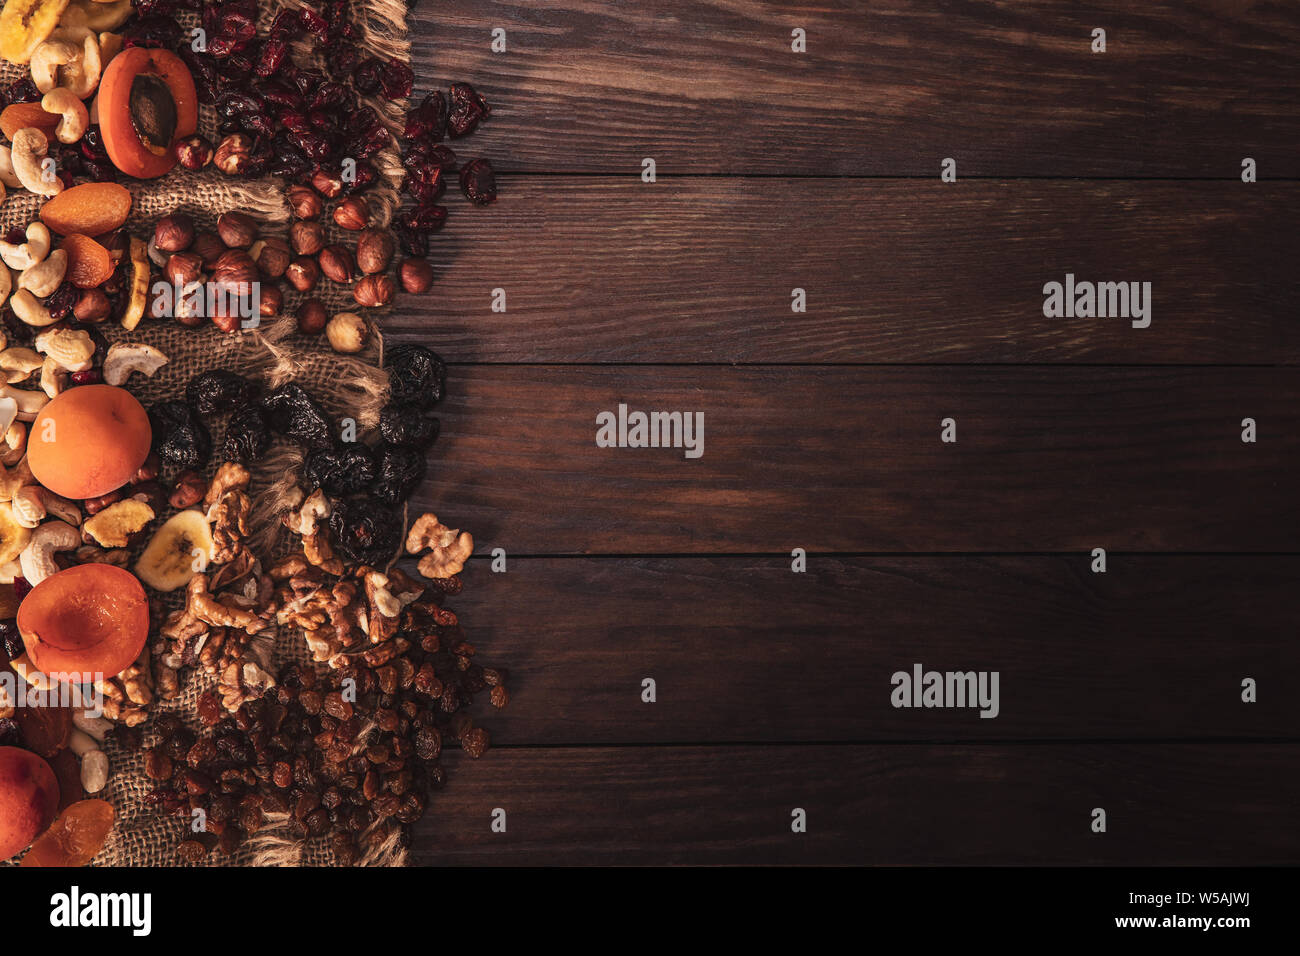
(336, 263)
(347, 332)
(190, 489)
(307, 238)
(234, 154)
(305, 203)
(148, 471)
(209, 247)
(224, 317)
(234, 268)
(193, 152)
(93, 306)
(188, 309)
(327, 185)
(303, 274)
(151, 493)
(270, 300)
(236, 229)
(416, 275)
(374, 291)
(173, 233)
(311, 317)
(183, 268)
(352, 214)
(93, 506)
(272, 256)
(374, 250)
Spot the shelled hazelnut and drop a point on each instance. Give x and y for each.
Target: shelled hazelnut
(305, 203)
(237, 230)
(193, 152)
(234, 154)
(347, 332)
(374, 251)
(208, 247)
(92, 306)
(312, 317)
(307, 238)
(374, 291)
(303, 274)
(352, 214)
(270, 300)
(325, 184)
(336, 263)
(183, 268)
(272, 256)
(416, 275)
(173, 233)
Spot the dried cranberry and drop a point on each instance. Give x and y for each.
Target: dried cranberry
(314, 23)
(274, 50)
(428, 121)
(21, 588)
(426, 183)
(61, 302)
(162, 32)
(366, 77)
(478, 182)
(467, 109)
(88, 377)
(397, 79)
(425, 218)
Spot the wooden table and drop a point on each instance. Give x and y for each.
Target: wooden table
(778, 170)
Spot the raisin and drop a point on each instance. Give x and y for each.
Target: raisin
(218, 391)
(293, 413)
(178, 435)
(398, 472)
(365, 531)
(341, 470)
(248, 436)
(415, 374)
(405, 425)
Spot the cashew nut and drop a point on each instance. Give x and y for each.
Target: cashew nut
(24, 255)
(72, 349)
(29, 150)
(96, 728)
(45, 277)
(54, 378)
(30, 402)
(14, 445)
(94, 771)
(79, 74)
(18, 363)
(74, 118)
(47, 59)
(12, 479)
(124, 358)
(6, 286)
(7, 174)
(37, 559)
(10, 572)
(28, 308)
(8, 412)
(33, 503)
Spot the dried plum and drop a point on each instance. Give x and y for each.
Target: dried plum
(398, 472)
(415, 374)
(406, 425)
(219, 391)
(293, 413)
(365, 531)
(248, 436)
(178, 435)
(342, 470)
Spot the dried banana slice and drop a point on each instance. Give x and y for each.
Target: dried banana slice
(26, 24)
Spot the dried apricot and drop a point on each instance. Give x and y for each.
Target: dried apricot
(89, 264)
(75, 837)
(91, 209)
(45, 729)
(67, 769)
(86, 619)
(147, 102)
(25, 25)
(27, 116)
(29, 798)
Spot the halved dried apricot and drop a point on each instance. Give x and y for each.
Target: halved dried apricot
(27, 116)
(74, 837)
(86, 619)
(90, 209)
(25, 25)
(89, 264)
(147, 101)
(29, 798)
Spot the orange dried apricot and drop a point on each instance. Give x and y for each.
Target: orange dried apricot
(91, 209)
(27, 116)
(89, 264)
(147, 102)
(45, 729)
(75, 836)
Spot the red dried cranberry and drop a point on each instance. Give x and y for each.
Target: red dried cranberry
(467, 109)
(21, 588)
(314, 23)
(274, 50)
(428, 121)
(397, 79)
(366, 77)
(478, 182)
(89, 377)
(426, 183)
(425, 218)
(61, 302)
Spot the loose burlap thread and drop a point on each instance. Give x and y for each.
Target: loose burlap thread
(274, 353)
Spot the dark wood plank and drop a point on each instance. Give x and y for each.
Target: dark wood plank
(1008, 89)
(741, 649)
(850, 459)
(701, 270)
(1178, 804)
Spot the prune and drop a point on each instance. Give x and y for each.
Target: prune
(219, 391)
(415, 373)
(293, 413)
(478, 182)
(248, 436)
(365, 531)
(178, 435)
(404, 424)
(398, 472)
(343, 470)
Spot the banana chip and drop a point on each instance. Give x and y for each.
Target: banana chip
(26, 24)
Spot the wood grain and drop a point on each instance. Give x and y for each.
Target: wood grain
(1172, 804)
(701, 270)
(741, 649)
(850, 459)
(1008, 89)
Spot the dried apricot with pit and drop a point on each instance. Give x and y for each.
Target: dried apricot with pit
(75, 837)
(89, 264)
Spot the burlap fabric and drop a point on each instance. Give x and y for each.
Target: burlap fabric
(353, 387)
